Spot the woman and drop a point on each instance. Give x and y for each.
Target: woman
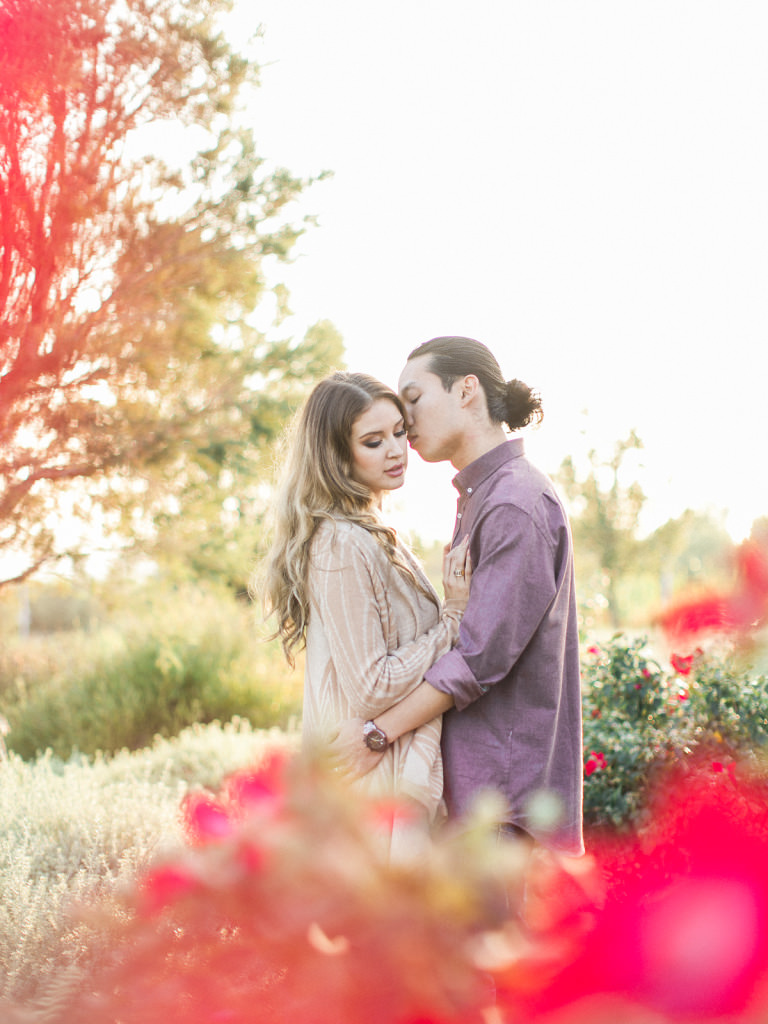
(341, 583)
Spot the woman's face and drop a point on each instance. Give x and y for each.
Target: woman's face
(379, 448)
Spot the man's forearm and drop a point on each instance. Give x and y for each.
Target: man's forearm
(420, 706)
(348, 748)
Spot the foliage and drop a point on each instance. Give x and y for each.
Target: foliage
(193, 658)
(604, 517)
(133, 382)
(687, 550)
(627, 700)
(639, 720)
(215, 533)
(77, 831)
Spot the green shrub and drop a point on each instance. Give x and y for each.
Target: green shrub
(728, 707)
(171, 665)
(77, 831)
(640, 719)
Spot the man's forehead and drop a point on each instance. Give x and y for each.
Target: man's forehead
(415, 374)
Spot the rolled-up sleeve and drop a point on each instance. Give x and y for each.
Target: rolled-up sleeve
(513, 586)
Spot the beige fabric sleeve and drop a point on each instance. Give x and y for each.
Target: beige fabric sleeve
(350, 597)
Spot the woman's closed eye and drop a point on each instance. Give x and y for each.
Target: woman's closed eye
(375, 443)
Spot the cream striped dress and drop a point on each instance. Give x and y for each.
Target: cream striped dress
(371, 636)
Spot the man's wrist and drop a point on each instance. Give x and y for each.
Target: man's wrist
(374, 737)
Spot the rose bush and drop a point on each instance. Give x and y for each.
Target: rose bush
(642, 719)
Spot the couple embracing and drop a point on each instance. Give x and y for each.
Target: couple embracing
(437, 702)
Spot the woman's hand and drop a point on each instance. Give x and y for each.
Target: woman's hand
(457, 575)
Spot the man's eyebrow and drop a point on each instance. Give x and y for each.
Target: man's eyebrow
(409, 385)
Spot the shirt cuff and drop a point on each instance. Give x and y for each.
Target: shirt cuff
(451, 674)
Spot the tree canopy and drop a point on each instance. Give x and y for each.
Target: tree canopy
(605, 515)
(130, 361)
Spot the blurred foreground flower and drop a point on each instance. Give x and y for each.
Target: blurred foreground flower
(284, 908)
(738, 611)
(681, 930)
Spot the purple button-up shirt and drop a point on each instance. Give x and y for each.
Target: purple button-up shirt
(514, 673)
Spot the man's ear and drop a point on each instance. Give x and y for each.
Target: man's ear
(468, 388)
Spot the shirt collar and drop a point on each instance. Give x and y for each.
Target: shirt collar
(470, 478)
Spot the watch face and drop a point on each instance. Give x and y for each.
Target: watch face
(375, 738)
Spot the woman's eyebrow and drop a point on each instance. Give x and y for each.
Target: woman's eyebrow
(372, 433)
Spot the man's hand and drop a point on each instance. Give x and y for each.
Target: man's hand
(348, 753)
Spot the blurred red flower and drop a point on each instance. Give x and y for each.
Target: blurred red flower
(741, 609)
(261, 788)
(682, 664)
(682, 929)
(162, 886)
(211, 819)
(595, 762)
(206, 819)
(384, 812)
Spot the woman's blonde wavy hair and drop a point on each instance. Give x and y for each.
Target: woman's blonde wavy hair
(317, 484)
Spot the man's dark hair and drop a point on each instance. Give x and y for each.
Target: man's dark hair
(511, 402)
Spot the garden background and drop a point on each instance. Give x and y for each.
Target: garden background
(151, 356)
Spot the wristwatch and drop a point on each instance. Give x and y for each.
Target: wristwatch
(374, 737)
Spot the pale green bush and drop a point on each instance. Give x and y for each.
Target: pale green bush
(78, 830)
(188, 656)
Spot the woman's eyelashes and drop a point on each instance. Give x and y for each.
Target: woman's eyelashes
(377, 443)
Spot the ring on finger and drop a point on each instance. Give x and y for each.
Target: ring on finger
(458, 572)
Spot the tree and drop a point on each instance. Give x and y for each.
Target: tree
(604, 517)
(224, 492)
(693, 548)
(130, 366)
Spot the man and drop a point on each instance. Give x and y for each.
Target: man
(510, 688)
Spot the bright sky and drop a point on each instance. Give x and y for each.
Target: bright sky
(583, 186)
